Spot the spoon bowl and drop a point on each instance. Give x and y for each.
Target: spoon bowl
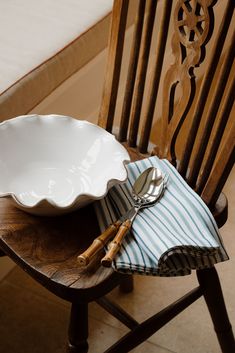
(148, 187)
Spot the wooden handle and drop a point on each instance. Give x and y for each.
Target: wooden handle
(115, 245)
(85, 258)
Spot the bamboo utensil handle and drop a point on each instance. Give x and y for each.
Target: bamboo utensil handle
(98, 244)
(115, 245)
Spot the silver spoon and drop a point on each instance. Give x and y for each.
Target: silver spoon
(147, 190)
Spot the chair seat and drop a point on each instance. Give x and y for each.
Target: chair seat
(40, 247)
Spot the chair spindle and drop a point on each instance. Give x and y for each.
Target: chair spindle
(116, 40)
(219, 128)
(154, 85)
(141, 71)
(126, 109)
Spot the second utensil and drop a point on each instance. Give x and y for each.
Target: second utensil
(147, 190)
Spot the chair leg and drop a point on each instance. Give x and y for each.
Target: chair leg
(78, 328)
(210, 284)
(127, 284)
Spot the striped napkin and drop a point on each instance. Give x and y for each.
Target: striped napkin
(172, 237)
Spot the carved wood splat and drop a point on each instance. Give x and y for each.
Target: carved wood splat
(192, 20)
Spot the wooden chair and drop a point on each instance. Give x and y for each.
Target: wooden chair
(193, 87)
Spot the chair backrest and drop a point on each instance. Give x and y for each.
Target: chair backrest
(181, 65)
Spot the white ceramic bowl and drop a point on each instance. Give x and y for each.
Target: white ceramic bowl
(54, 164)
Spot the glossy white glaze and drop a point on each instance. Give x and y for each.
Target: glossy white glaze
(54, 164)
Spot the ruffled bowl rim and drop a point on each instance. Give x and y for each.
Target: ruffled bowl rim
(45, 201)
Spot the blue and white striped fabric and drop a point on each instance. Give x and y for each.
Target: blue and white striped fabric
(172, 237)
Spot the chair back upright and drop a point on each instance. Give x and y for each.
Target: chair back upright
(178, 99)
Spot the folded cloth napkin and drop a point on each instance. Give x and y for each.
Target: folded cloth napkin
(172, 237)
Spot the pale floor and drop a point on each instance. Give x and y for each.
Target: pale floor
(35, 321)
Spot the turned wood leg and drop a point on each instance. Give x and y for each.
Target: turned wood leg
(78, 328)
(210, 284)
(127, 284)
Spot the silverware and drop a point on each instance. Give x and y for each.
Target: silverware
(147, 190)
